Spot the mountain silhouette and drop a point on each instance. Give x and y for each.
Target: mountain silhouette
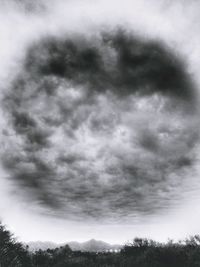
(90, 245)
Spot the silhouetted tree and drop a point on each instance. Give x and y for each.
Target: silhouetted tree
(12, 253)
(141, 252)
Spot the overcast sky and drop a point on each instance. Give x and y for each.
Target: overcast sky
(100, 119)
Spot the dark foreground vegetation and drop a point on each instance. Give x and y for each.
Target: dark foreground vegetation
(139, 253)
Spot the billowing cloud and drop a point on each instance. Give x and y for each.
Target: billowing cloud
(101, 127)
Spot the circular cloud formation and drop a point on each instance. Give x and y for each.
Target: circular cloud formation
(100, 127)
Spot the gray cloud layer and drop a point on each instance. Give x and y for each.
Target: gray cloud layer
(101, 127)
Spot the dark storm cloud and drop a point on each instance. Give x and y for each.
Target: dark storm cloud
(25, 125)
(134, 65)
(101, 125)
(150, 67)
(32, 174)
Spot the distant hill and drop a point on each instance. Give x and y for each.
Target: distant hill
(36, 245)
(91, 246)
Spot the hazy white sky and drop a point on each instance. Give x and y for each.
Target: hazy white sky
(174, 22)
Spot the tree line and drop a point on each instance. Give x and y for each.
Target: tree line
(141, 252)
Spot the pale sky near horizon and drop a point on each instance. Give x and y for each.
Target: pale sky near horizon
(48, 193)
